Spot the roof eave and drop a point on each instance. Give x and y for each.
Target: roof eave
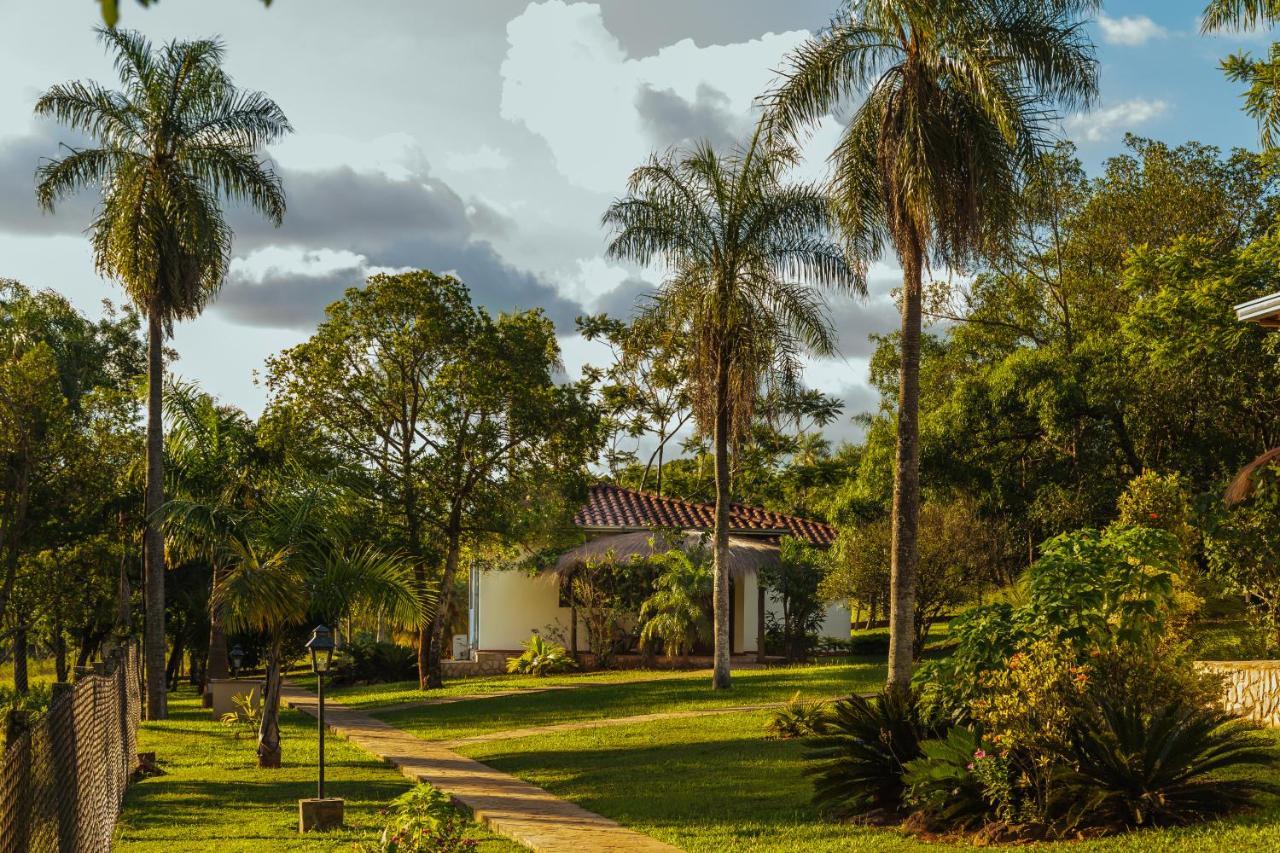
(1265, 311)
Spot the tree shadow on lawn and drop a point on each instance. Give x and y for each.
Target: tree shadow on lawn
(460, 719)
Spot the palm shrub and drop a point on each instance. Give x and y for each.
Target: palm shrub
(857, 762)
(676, 614)
(797, 718)
(541, 657)
(952, 781)
(1138, 767)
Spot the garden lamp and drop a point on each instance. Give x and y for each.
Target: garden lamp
(237, 658)
(321, 647)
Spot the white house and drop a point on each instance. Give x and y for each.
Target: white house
(507, 605)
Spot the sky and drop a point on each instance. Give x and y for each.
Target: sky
(487, 138)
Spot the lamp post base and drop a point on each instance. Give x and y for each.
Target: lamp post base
(316, 814)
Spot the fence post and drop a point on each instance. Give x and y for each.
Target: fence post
(15, 814)
(64, 743)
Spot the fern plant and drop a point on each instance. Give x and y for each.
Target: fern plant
(857, 762)
(541, 657)
(1137, 768)
(797, 718)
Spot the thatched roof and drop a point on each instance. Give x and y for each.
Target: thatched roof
(747, 554)
(1241, 487)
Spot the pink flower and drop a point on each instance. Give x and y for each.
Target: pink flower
(980, 754)
(969, 766)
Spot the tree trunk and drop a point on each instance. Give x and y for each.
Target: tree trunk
(440, 620)
(269, 728)
(59, 652)
(720, 538)
(760, 611)
(153, 539)
(173, 671)
(216, 660)
(906, 481)
(20, 683)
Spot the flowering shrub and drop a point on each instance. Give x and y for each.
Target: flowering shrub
(423, 819)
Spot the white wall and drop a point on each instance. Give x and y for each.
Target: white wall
(512, 605)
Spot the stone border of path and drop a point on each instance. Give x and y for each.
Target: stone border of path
(507, 805)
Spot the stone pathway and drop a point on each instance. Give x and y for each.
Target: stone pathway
(505, 804)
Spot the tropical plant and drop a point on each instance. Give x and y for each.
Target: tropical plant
(945, 782)
(676, 614)
(1134, 766)
(177, 139)
(954, 105)
(541, 657)
(799, 717)
(364, 662)
(795, 582)
(740, 246)
(246, 718)
(857, 761)
(423, 819)
(1259, 75)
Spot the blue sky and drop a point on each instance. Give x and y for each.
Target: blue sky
(487, 138)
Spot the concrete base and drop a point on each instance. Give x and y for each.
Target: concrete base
(223, 689)
(314, 814)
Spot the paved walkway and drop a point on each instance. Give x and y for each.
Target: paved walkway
(502, 802)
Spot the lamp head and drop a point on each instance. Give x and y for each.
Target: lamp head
(237, 658)
(321, 647)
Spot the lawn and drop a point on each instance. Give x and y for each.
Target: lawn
(716, 784)
(612, 697)
(214, 797)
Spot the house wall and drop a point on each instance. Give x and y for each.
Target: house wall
(511, 605)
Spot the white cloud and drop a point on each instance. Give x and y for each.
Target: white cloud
(1124, 116)
(486, 158)
(569, 80)
(1129, 30)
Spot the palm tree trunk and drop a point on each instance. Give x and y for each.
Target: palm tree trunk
(906, 481)
(153, 540)
(720, 538)
(216, 660)
(269, 729)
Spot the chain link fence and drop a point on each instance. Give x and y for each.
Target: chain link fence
(64, 774)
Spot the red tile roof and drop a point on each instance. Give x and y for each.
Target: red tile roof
(627, 509)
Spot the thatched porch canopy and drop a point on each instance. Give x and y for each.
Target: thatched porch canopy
(747, 554)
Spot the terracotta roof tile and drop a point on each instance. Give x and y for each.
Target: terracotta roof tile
(611, 506)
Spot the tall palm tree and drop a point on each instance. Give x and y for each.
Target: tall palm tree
(739, 248)
(171, 145)
(951, 100)
(1262, 98)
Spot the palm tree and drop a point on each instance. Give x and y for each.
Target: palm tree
(1261, 101)
(288, 559)
(212, 462)
(952, 100)
(675, 614)
(172, 144)
(739, 247)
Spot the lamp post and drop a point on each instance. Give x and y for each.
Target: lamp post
(320, 813)
(237, 658)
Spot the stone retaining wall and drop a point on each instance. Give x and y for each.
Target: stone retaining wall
(1251, 688)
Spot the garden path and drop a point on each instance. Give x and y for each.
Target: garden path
(507, 805)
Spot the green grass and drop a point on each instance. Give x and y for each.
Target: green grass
(214, 797)
(715, 784)
(605, 698)
(39, 671)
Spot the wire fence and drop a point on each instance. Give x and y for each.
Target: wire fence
(64, 774)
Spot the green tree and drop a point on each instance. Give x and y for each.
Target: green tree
(454, 416)
(675, 614)
(174, 142)
(795, 582)
(954, 102)
(741, 246)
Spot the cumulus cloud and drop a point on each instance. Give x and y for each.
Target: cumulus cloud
(20, 157)
(486, 158)
(669, 119)
(561, 57)
(1103, 123)
(1130, 30)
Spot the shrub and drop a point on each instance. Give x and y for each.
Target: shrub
(1134, 768)
(858, 758)
(797, 718)
(541, 657)
(949, 781)
(247, 716)
(374, 663)
(676, 615)
(423, 819)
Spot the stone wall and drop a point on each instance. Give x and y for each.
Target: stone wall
(485, 663)
(1251, 688)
